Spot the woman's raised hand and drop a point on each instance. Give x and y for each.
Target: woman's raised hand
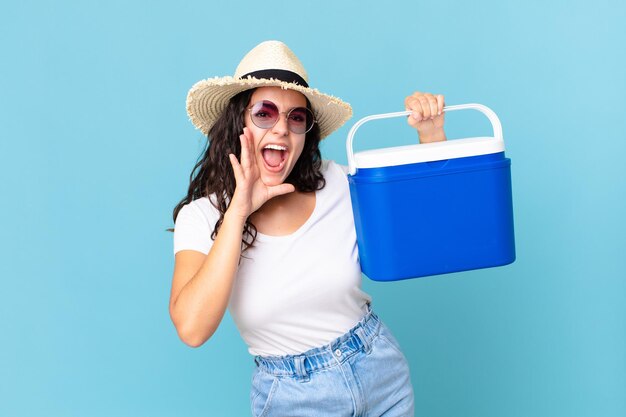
(250, 192)
(427, 116)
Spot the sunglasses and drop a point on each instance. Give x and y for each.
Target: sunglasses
(265, 114)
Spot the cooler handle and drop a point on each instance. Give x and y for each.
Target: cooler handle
(491, 115)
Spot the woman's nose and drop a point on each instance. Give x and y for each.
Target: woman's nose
(282, 126)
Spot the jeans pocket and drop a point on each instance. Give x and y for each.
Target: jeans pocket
(263, 389)
(386, 335)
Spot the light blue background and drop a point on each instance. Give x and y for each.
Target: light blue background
(96, 150)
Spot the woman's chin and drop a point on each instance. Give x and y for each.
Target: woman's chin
(271, 179)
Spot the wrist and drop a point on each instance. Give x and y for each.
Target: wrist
(435, 135)
(235, 218)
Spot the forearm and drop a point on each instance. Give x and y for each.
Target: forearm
(200, 305)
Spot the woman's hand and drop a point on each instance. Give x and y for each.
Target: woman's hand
(427, 116)
(250, 192)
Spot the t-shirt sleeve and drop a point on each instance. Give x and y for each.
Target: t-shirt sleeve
(342, 170)
(193, 228)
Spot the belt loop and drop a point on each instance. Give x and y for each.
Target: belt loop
(301, 372)
(360, 332)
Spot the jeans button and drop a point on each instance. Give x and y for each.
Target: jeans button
(338, 353)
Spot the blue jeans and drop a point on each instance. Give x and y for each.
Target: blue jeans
(362, 373)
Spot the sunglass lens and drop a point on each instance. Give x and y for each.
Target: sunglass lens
(264, 114)
(300, 120)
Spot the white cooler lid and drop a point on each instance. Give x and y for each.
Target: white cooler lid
(427, 152)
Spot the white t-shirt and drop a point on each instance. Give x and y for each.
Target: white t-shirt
(296, 292)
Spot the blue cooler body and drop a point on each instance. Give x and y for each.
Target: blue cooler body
(432, 209)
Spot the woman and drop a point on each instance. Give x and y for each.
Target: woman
(266, 229)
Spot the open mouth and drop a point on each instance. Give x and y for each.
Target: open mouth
(274, 156)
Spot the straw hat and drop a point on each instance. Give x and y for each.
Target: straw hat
(270, 63)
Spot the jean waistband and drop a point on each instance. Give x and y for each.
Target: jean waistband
(357, 339)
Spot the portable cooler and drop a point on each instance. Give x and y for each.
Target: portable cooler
(435, 208)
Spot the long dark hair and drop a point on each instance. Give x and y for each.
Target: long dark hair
(213, 174)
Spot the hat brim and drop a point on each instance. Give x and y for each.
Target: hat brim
(207, 99)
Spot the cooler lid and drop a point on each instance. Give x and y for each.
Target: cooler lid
(427, 152)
